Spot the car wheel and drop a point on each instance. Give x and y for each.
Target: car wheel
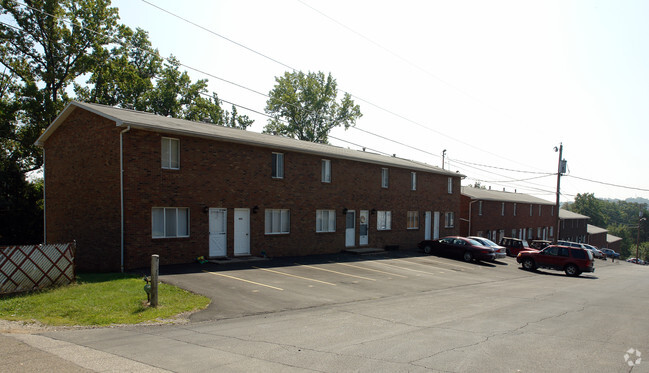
(528, 264)
(428, 249)
(572, 270)
(467, 256)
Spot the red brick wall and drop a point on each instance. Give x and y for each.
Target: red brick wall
(598, 240)
(82, 189)
(575, 230)
(83, 195)
(227, 175)
(492, 218)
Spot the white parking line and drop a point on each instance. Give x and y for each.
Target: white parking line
(296, 276)
(370, 269)
(340, 273)
(240, 279)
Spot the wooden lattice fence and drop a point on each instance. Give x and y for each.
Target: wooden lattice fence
(33, 267)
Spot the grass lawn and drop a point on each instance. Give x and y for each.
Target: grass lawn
(100, 299)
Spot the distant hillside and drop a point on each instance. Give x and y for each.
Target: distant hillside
(638, 200)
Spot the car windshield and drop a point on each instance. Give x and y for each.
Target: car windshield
(525, 244)
(474, 242)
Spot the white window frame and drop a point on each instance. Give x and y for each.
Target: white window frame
(502, 209)
(413, 181)
(449, 219)
(169, 159)
(531, 209)
(325, 221)
(385, 174)
(479, 208)
(384, 220)
(326, 171)
(450, 185)
(515, 208)
(539, 210)
(277, 221)
(413, 220)
(277, 166)
(169, 222)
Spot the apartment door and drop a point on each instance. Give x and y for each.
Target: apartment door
(350, 228)
(436, 225)
(364, 228)
(427, 225)
(218, 226)
(241, 232)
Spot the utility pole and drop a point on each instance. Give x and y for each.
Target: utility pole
(559, 170)
(637, 243)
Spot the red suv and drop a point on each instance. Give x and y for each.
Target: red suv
(572, 260)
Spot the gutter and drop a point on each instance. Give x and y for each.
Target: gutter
(121, 193)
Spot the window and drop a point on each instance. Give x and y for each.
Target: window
(502, 209)
(383, 220)
(384, 178)
(325, 221)
(480, 208)
(552, 211)
(278, 166)
(539, 210)
(450, 185)
(326, 171)
(170, 153)
(169, 222)
(413, 220)
(514, 209)
(277, 221)
(449, 221)
(531, 209)
(413, 181)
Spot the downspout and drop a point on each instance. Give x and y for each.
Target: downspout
(470, 216)
(121, 193)
(44, 203)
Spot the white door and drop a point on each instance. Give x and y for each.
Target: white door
(218, 232)
(241, 232)
(436, 225)
(350, 231)
(363, 234)
(427, 225)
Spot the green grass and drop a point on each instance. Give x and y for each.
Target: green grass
(100, 299)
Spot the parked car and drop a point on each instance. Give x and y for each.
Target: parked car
(596, 253)
(455, 246)
(635, 260)
(611, 253)
(539, 244)
(500, 251)
(514, 245)
(571, 260)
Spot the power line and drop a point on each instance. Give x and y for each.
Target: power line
(609, 184)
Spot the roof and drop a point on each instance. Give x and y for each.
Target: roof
(592, 229)
(157, 123)
(494, 195)
(611, 238)
(569, 215)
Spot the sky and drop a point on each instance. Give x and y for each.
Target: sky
(496, 84)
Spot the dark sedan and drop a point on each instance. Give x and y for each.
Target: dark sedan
(461, 247)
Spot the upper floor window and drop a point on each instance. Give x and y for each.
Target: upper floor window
(326, 171)
(502, 209)
(514, 209)
(539, 210)
(413, 220)
(169, 222)
(531, 209)
(479, 208)
(278, 166)
(450, 185)
(413, 181)
(384, 178)
(170, 153)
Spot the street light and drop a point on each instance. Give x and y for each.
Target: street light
(637, 244)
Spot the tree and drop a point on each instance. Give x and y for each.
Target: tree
(304, 106)
(586, 204)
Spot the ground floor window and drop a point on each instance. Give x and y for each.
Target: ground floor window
(325, 220)
(169, 222)
(413, 219)
(277, 221)
(449, 221)
(383, 220)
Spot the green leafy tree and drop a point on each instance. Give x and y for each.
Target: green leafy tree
(304, 106)
(586, 204)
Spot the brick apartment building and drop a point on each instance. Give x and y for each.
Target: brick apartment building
(573, 226)
(496, 214)
(596, 236)
(127, 184)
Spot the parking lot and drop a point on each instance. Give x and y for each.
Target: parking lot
(262, 286)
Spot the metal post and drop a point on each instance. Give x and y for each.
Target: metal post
(155, 264)
(558, 221)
